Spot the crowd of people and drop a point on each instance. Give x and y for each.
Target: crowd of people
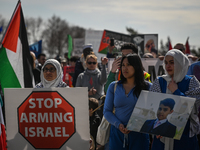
(131, 78)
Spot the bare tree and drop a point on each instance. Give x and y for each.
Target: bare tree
(55, 35)
(131, 31)
(196, 52)
(34, 28)
(77, 32)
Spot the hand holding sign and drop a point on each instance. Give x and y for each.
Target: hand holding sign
(123, 130)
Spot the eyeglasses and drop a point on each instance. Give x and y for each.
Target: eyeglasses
(94, 63)
(49, 69)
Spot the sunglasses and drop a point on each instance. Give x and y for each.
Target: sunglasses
(49, 69)
(94, 63)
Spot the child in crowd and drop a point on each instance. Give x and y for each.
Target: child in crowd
(94, 118)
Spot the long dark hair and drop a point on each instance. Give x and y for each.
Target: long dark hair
(135, 61)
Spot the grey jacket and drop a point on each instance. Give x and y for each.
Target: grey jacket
(94, 79)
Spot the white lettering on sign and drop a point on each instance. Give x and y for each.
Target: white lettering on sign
(48, 102)
(46, 117)
(32, 131)
(23, 118)
(59, 132)
(69, 115)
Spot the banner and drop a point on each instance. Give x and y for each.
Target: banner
(119, 40)
(153, 66)
(94, 37)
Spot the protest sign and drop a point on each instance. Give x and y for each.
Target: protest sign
(78, 46)
(147, 43)
(148, 108)
(153, 66)
(68, 72)
(119, 40)
(55, 118)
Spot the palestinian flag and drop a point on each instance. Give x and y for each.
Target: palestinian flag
(15, 58)
(3, 143)
(104, 43)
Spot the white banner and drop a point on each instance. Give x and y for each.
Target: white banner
(153, 66)
(78, 46)
(94, 37)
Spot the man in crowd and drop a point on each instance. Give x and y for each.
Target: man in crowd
(41, 58)
(80, 64)
(126, 49)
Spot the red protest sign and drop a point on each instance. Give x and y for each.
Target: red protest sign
(68, 72)
(46, 119)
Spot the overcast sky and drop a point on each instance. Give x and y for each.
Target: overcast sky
(177, 19)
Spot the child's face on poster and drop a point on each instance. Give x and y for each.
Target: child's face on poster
(163, 112)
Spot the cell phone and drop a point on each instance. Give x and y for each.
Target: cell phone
(118, 57)
(112, 42)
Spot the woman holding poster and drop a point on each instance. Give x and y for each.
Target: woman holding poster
(178, 83)
(123, 100)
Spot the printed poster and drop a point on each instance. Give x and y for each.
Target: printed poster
(161, 114)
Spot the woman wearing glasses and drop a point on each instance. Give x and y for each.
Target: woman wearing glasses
(92, 77)
(51, 75)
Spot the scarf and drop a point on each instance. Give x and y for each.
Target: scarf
(57, 80)
(181, 64)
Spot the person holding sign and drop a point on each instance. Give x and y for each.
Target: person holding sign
(178, 83)
(123, 100)
(161, 126)
(51, 75)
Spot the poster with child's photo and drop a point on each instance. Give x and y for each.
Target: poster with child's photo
(161, 114)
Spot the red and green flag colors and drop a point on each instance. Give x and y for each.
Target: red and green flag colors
(104, 43)
(69, 45)
(3, 143)
(15, 59)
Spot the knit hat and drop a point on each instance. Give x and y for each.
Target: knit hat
(87, 46)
